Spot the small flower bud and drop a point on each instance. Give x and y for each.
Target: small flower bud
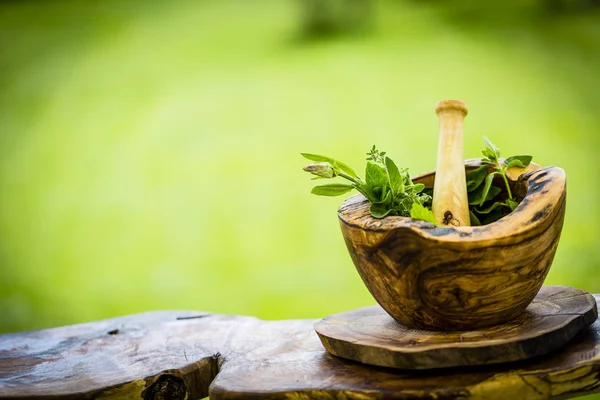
(322, 169)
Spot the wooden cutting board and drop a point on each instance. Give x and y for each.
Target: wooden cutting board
(369, 335)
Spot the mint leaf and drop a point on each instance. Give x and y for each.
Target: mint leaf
(518, 161)
(421, 212)
(395, 179)
(332, 189)
(475, 178)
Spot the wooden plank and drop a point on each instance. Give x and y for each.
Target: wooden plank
(156, 355)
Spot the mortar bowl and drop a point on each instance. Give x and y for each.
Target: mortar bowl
(459, 278)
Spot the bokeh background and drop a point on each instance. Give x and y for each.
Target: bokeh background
(149, 150)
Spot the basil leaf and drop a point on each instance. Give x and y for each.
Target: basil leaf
(475, 178)
(518, 161)
(332, 189)
(512, 204)
(492, 149)
(491, 208)
(474, 220)
(396, 180)
(475, 197)
(493, 216)
(418, 211)
(379, 210)
(487, 186)
(376, 175)
(386, 198)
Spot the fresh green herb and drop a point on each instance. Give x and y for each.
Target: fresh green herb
(389, 188)
(483, 204)
(375, 155)
(419, 211)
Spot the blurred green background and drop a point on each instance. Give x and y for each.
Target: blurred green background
(149, 151)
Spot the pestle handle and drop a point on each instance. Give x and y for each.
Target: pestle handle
(450, 202)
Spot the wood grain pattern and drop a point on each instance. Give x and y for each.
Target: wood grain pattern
(450, 202)
(157, 356)
(459, 278)
(369, 335)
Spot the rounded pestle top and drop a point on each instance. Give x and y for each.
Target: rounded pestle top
(455, 105)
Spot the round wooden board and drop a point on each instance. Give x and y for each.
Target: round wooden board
(369, 335)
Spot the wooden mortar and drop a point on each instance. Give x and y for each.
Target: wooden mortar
(458, 277)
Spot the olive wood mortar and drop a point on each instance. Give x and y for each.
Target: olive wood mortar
(459, 278)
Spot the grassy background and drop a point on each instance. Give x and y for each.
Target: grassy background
(149, 150)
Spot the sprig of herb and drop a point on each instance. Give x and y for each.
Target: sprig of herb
(389, 189)
(375, 155)
(482, 193)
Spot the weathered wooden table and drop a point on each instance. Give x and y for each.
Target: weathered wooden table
(188, 355)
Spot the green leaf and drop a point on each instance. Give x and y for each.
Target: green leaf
(475, 178)
(332, 189)
(424, 198)
(367, 191)
(487, 186)
(493, 216)
(491, 208)
(386, 198)
(423, 213)
(518, 161)
(474, 220)
(376, 175)
(512, 204)
(345, 168)
(396, 180)
(318, 158)
(492, 149)
(488, 155)
(405, 205)
(416, 188)
(379, 210)
(475, 197)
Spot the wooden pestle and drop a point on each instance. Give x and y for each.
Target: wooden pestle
(450, 202)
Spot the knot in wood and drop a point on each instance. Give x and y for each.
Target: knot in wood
(449, 219)
(166, 387)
